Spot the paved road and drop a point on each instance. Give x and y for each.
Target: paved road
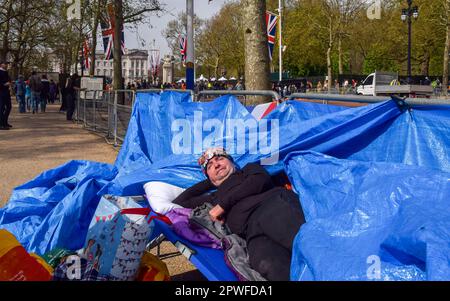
(39, 142)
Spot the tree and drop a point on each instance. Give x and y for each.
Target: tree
(131, 11)
(177, 27)
(221, 42)
(257, 73)
(445, 20)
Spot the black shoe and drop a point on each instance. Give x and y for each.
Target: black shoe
(8, 125)
(3, 128)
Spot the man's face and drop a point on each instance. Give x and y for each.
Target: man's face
(219, 169)
(3, 66)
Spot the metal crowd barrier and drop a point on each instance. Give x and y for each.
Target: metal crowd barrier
(270, 93)
(108, 112)
(325, 98)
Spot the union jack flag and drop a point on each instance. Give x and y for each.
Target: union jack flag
(108, 25)
(271, 21)
(183, 47)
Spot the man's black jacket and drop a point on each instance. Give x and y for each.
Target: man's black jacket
(239, 195)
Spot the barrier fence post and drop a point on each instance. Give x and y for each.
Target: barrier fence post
(84, 111)
(115, 118)
(78, 106)
(107, 96)
(94, 104)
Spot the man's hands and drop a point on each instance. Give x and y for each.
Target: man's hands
(216, 214)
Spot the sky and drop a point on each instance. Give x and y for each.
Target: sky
(152, 31)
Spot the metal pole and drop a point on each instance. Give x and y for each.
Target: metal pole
(280, 44)
(409, 40)
(115, 118)
(94, 104)
(84, 111)
(190, 45)
(78, 106)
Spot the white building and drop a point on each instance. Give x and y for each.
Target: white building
(134, 65)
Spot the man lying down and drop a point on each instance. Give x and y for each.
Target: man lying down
(266, 216)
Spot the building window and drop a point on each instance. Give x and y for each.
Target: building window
(124, 64)
(132, 64)
(98, 72)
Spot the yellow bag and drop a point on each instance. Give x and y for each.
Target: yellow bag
(17, 265)
(152, 269)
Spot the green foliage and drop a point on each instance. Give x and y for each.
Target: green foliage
(367, 45)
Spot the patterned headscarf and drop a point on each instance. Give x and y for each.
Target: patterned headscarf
(211, 153)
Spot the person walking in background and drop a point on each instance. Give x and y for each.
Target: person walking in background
(71, 89)
(45, 91)
(28, 96)
(36, 86)
(53, 92)
(63, 89)
(5, 97)
(20, 93)
(337, 86)
(319, 86)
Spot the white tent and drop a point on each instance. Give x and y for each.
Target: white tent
(222, 79)
(181, 80)
(201, 78)
(232, 78)
(212, 79)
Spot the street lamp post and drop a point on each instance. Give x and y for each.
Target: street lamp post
(407, 15)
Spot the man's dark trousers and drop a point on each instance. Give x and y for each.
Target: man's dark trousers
(5, 108)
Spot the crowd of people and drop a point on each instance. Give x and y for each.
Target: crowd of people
(33, 94)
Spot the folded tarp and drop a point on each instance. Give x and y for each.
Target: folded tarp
(370, 220)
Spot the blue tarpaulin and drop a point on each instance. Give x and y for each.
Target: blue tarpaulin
(168, 131)
(370, 220)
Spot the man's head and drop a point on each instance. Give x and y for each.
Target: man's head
(217, 165)
(4, 65)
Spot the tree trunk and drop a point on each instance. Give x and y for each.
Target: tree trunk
(94, 37)
(341, 63)
(425, 68)
(329, 66)
(216, 68)
(5, 43)
(257, 72)
(445, 69)
(118, 15)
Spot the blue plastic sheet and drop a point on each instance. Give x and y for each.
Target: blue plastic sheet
(55, 208)
(370, 220)
(298, 125)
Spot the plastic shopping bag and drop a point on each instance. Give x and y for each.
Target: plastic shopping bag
(117, 237)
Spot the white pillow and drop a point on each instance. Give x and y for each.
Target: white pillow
(160, 195)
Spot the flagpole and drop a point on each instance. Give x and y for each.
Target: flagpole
(280, 44)
(190, 45)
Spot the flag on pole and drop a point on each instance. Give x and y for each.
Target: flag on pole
(154, 62)
(271, 21)
(108, 25)
(183, 47)
(86, 53)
